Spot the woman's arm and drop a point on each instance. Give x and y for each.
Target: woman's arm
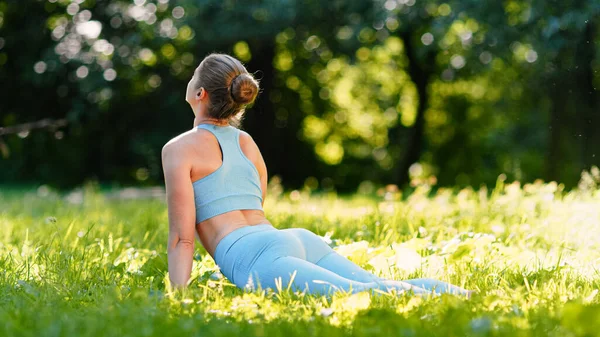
(182, 214)
(264, 177)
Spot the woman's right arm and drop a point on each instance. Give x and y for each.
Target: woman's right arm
(182, 214)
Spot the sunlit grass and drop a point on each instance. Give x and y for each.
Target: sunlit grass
(85, 263)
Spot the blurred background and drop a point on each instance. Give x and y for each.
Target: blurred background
(356, 94)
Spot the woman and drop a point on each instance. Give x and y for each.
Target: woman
(216, 180)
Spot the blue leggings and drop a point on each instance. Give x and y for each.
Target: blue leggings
(259, 256)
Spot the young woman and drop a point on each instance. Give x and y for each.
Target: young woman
(216, 180)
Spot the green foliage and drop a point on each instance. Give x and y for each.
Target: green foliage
(89, 263)
(353, 90)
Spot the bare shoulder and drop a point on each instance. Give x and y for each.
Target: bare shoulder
(185, 142)
(246, 140)
(248, 145)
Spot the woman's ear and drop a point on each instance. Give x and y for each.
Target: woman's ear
(200, 94)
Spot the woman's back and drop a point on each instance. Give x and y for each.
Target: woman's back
(213, 191)
(234, 185)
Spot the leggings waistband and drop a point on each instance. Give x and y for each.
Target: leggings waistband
(231, 238)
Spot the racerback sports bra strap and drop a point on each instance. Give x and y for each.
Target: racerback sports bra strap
(235, 185)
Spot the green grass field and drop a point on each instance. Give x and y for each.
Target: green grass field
(88, 264)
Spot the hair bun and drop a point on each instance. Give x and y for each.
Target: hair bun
(244, 88)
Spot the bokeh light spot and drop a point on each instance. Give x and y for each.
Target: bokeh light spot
(427, 39)
(40, 67)
(178, 12)
(242, 51)
(110, 74)
(82, 72)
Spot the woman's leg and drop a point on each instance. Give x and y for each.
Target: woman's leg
(348, 269)
(302, 275)
(321, 254)
(324, 256)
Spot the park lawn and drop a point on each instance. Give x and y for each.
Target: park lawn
(88, 264)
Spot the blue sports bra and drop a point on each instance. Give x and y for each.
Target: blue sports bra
(235, 185)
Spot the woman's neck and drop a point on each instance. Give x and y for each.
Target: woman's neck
(213, 121)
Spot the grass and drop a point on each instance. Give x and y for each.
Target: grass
(85, 264)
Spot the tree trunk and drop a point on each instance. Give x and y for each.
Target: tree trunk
(259, 121)
(553, 159)
(560, 90)
(590, 117)
(420, 73)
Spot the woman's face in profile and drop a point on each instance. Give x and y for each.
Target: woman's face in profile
(191, 94)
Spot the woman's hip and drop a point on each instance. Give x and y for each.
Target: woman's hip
(256, 247)
(241, 249)
(315, 248)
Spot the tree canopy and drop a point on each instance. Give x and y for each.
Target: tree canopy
(353, 92)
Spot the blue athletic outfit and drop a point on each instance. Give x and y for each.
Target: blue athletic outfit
(261, 255)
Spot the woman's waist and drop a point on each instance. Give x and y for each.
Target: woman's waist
(233, 236)
(214, 230)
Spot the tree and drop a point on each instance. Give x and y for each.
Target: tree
(554, 47)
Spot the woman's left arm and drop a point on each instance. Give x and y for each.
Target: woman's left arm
(264, 176)
(182, 214)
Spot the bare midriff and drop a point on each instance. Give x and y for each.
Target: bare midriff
(212, 230)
